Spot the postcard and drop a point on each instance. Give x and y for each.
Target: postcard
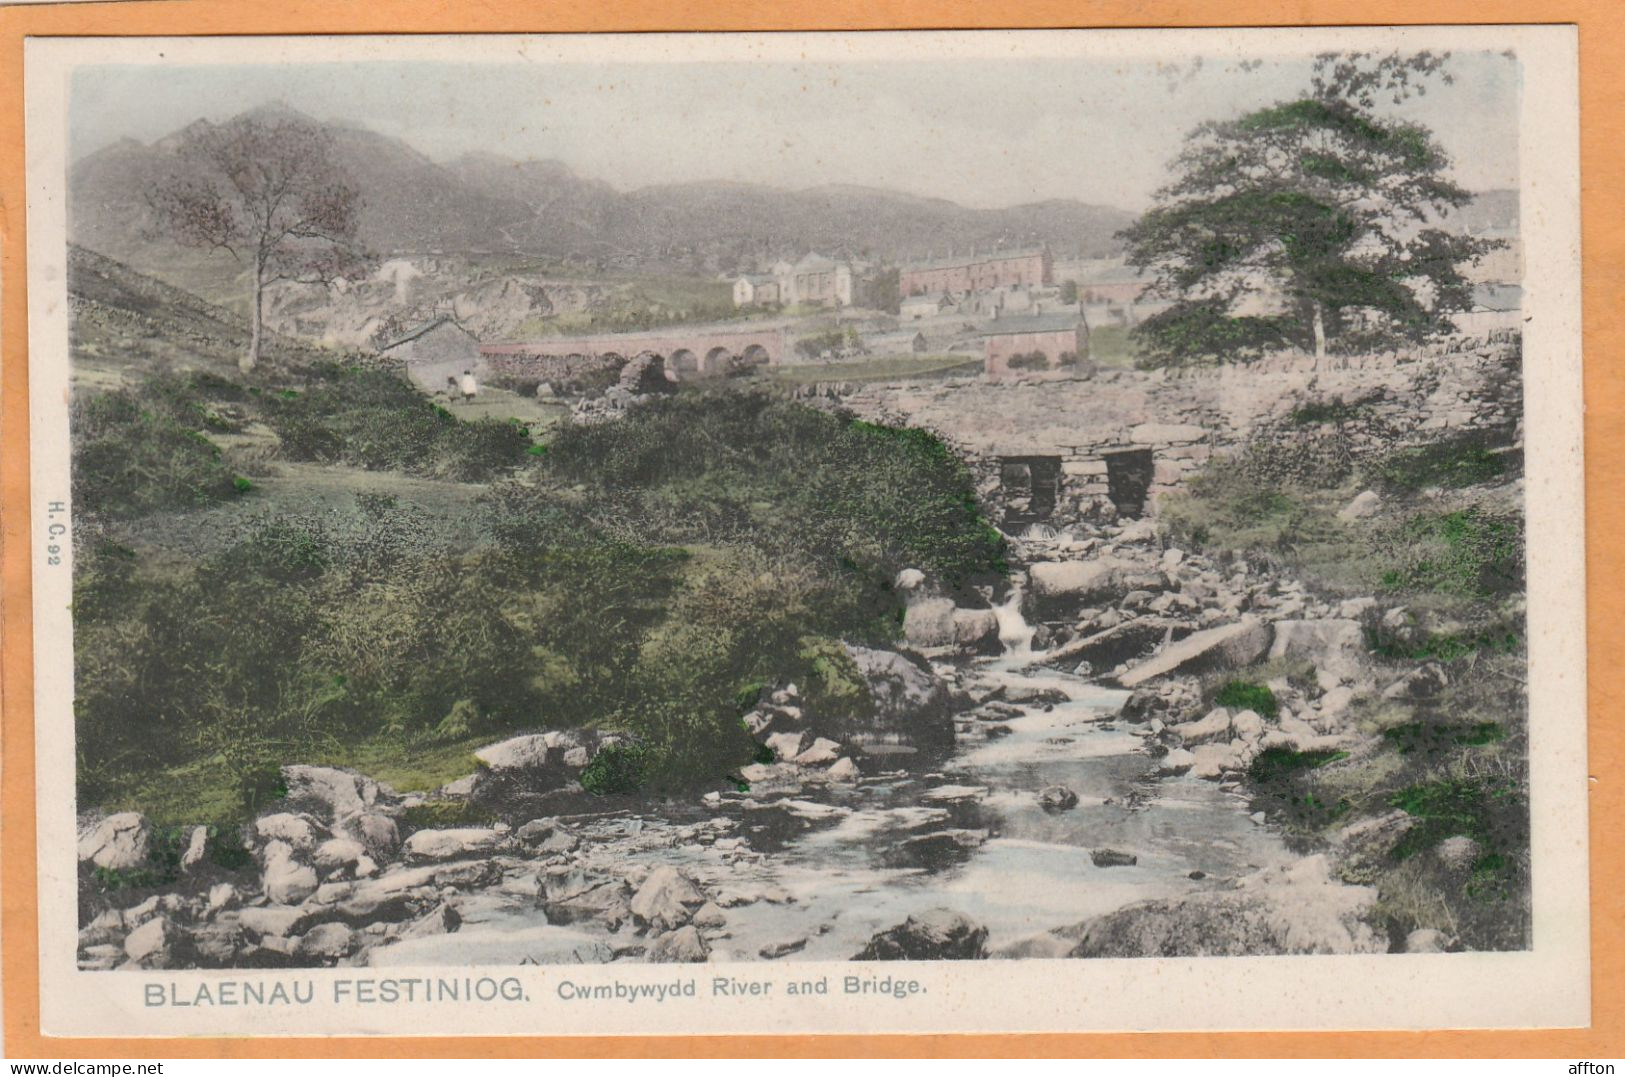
(953, 531)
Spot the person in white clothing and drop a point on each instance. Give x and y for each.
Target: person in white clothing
(469, 388)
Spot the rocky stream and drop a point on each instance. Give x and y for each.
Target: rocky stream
(1039, 780)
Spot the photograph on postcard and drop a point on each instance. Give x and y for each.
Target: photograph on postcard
(539, 516)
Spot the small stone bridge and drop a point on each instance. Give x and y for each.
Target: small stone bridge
(686, 354)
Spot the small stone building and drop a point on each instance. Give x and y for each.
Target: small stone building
(1033, 344)
(434, 351)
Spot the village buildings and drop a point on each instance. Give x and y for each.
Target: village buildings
(814, 280)
(1026, 268)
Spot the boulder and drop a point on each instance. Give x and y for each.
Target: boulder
(1175, 762)
(934, 935)
(1230, 646)
(1214, 726)
(787, 746)
(1333, 645)
(682, 945)
(1057, 798)
(378, 832)
(709, 916)
(1213, 761)
(976, 631)
(820, 752)
(1247, 726)
(910, 701)
(529, 751)
(278, 920)
(326, 942)
(153, 943)
(1426, 940)
(1420, 683)
(285, 880)
(666, 900)
(1296, 909)
(440, 920)
(301, 832)
(197, 849)
(332, 793)
(120, 842)
(336, 854)
(1078, 582)
(909, 579)
(1458, 853)
(929, 622)
(842, 770)
(548, 836)
(1364, 504)
(570, 895)
(455, 844)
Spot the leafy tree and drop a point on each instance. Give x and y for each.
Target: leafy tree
(267, 189)
(1306, 222)
(886, 290)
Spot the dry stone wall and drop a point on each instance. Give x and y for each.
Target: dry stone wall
(1097, 427)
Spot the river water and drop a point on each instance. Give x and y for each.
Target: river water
(965, 831)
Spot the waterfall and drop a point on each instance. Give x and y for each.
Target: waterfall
(1014, 632)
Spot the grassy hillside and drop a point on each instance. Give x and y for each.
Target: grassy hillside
(420, 583)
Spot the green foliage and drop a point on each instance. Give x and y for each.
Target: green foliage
(659, 570)
(854, 498)
(1248, 695)
(1469, 552)
(378, 420)
(1028, 361)
(617, 769)
(1491, 811)
(1437, 737)
(441, 814)
(1292, 203)
(1457, 461)
(1069, 291)
(834, 684)
(140, 450)
(1275, 765)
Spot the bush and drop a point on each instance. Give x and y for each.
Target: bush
(378, 420)
(1028, 361)
(1470, 552)
(133, 456)
(1248, 695)
(617, 769)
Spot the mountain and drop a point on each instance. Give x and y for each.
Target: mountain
(486, 203)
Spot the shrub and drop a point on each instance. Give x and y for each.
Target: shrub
(1470, 552)
(1247, 695)
(1028, 361)
(617, 769)
(132, 458)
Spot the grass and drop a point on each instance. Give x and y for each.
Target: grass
(885, 368)
(1113, 346)
(1247, 695)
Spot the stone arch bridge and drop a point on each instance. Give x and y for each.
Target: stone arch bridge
(685, 354)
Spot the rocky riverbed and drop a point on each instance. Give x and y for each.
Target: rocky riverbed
(1038, 778)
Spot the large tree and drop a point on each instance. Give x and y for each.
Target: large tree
(1308, 224)
(267, 189)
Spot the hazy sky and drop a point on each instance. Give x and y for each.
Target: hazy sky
(983, 132)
